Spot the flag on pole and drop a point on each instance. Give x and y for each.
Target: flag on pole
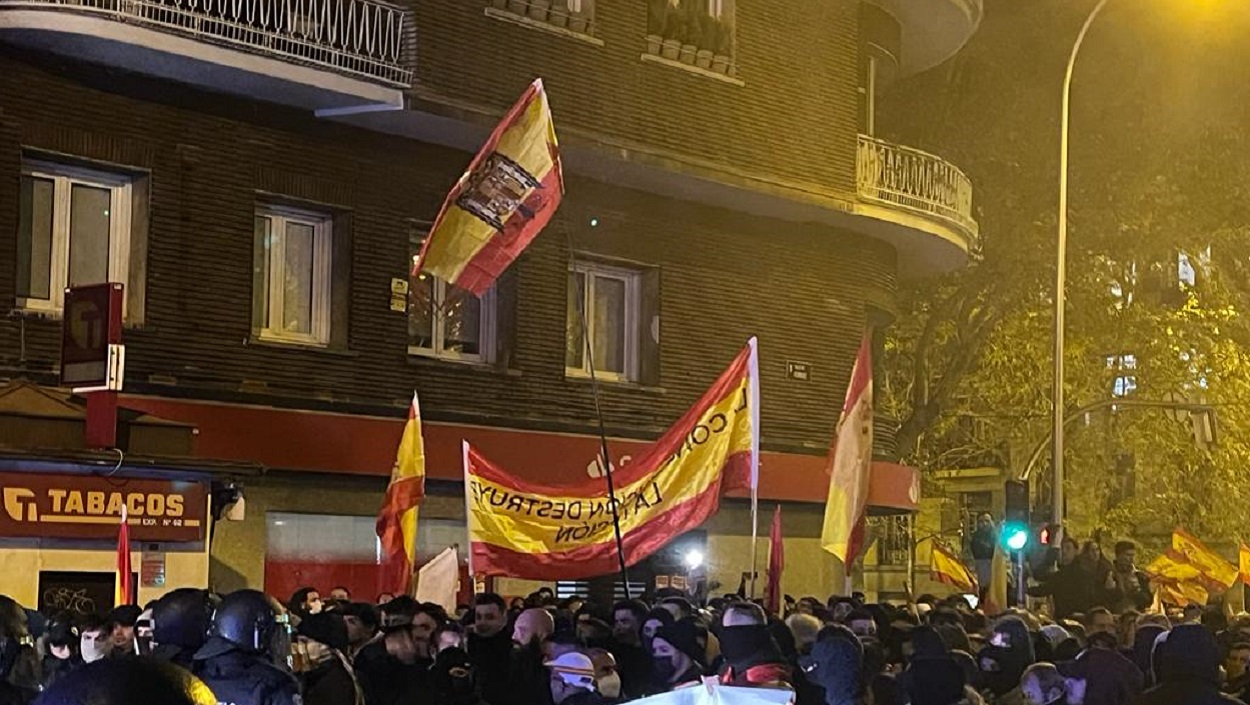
(1243, 562)
(849, 462)
(397, 519)
(776, 562)
(995, 600)
(1217, 573)
(509, 193)
(125, 590)
(522, 529)
(439, 580)
(945, 567)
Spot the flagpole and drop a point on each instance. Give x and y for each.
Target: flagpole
(468, 511)
(603, 434)
(753, 399)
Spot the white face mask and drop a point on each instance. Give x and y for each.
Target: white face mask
(315, 606)
(61, 652)
(91, 651)
(610, 685)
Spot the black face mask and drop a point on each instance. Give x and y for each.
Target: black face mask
(664, 668)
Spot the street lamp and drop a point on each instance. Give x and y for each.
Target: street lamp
(1061, 270)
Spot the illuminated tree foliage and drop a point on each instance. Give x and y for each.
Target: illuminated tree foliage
(1159, 261)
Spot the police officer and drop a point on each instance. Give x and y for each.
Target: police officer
(180, 623)
(236, 661)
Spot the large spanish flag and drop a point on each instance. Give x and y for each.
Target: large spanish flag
(1218, 574)
(849, 461)
(527, 530)
(945, 567)
(1243, 562)
(509, 193)
(397, 519)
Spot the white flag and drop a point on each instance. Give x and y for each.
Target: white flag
(438, 580)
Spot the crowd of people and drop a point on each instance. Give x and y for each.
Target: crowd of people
(246, 648)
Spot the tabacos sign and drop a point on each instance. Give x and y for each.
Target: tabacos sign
(90, 507)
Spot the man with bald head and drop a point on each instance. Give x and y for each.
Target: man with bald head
(528, 679)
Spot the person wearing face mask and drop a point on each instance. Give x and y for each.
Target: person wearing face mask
(572, 680)
(305, 601)
(676, 655)
(607, 677)
(95, 639)
(62, 645)
(326, 678)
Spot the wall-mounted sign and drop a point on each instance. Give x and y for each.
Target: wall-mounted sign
(92, 356)
(152, 569)
(801, 371)
(90, 507)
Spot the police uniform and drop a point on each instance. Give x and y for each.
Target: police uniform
(238, 677)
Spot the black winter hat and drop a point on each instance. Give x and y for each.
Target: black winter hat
(327, 628)
(683, 636)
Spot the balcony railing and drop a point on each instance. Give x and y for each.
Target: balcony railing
(363, 38)
(918, 181)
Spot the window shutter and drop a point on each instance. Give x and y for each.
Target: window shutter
(649, 325)
(340, 279)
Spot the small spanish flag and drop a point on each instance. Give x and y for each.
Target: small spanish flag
(1217, 574)
(508, 195)
(945, 567)
(124, 592)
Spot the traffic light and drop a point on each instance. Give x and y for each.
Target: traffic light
(1044, 535)
(1015, 532)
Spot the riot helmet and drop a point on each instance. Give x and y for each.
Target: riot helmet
(247, 619)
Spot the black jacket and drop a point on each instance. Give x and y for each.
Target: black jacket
(330, 683)
(238, 677)
(385, 680)
(492, 662)
(1188, 665)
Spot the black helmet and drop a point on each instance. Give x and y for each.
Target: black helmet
(124, 681)
(182, 618)
(247, 619)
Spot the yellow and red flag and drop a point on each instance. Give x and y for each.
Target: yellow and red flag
(1171, 567)
(945, 567)
(1243, 562)
(124, 588)
(1217, 573)
(397, 519)
(849, 461)
(528, 530)
(1183, 594)
(509, 193)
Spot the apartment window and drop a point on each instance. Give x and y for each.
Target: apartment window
(448, 322)
(1123, 369)
(292, 275)
(73, 229)
(610, 299)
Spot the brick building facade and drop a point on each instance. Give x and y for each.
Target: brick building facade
(262, 243)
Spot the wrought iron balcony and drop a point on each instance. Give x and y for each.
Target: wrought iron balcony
(919, 183)
(334, 57)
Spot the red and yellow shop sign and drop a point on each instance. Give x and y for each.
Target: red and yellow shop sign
(90, 507)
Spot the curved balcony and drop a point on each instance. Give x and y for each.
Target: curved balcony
(904, 190)
(316, 54)
(932, 30)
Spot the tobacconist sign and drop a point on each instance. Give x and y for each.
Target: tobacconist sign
(90, 507)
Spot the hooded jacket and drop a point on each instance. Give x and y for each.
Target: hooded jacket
(1187, 664)
(1143, 646)
(752, 657)
(1110, 678)
(836, 664)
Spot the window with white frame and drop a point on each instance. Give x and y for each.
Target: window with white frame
(73, 229)
(447, 322)
(603, 306)
(292, 275)
(1123, 369)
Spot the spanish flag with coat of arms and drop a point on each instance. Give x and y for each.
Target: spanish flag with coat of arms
(508, 195)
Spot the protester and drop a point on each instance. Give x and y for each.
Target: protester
(490, 647)
(340, 594)
(1187, 663)
(632, 658)
(751, 655)
(326, 677)
(607, 675)
(19, 663)
(361, 621)
(305, 601)
(395, 670)
(676, 655)
(572, 680)
(1110, 678)
(1042, 684)
(1236, 673)
(62, 643)
(836, 665)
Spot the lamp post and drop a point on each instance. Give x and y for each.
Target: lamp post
(1061, 270)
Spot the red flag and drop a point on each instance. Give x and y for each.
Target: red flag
(776, 563)
(124, 592)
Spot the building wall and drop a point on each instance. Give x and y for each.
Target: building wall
(723, 276)
(794, 120)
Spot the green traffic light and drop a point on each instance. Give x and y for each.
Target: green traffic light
(1015, 537)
